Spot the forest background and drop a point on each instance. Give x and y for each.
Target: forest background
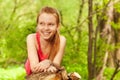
(91, 27)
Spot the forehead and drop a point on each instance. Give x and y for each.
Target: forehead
(47, 17)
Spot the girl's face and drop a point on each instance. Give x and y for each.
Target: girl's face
(47, 25)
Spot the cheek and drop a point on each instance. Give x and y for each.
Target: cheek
(38, 28)
(54, 30)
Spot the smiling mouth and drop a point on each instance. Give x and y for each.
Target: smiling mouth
(46, 33)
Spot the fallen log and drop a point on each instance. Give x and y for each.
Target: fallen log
(61, 74)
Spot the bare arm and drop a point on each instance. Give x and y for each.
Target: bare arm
(32, 52)
(35, 65)
(58, 58)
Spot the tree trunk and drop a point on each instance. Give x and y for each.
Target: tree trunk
(106, 34)
(90, 45)
(61, 74)
(117, 41)
(117, 33)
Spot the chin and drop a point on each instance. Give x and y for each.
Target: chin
(46, 38)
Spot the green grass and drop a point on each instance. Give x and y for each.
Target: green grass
(18, 73)
(12, 73)
(108, 74)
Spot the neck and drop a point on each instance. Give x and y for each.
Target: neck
(44, 42)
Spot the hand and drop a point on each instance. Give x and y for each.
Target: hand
(52, 69)
(42, 66)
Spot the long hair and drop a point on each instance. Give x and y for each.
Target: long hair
(55, 41)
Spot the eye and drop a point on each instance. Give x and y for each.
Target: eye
(41, 23)
(51, 24)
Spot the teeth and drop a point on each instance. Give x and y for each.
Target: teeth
(46, 33)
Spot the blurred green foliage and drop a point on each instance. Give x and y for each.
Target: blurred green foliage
(18, 19)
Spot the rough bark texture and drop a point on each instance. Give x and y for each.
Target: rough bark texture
(61, 74)
(90, 45)
(117, 33)
(106, 34)
(117, 43)
(111, 36)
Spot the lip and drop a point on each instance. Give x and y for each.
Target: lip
(46, 33)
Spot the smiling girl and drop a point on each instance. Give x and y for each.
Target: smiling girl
(46, 46)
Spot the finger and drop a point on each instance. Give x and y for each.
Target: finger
(51, 69)
(44, 70)
(40, 69)
(48, 70)
(54, 69)
(35, 69)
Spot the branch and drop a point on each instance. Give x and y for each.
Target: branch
(11, 16)
(80, 11)
(27, 13)
(68, 31)
(115, 72)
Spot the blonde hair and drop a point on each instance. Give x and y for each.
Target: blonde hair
(55, 41)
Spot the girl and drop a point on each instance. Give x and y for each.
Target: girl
(46, 46)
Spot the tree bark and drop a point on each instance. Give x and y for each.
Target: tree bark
(90, 45)
(106, 35)
(117, 41)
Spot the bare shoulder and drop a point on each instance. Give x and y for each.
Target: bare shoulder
(62, 38)
(31, 37)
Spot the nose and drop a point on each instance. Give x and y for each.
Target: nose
(46, 27)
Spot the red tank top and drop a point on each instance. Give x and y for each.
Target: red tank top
(40, 55)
